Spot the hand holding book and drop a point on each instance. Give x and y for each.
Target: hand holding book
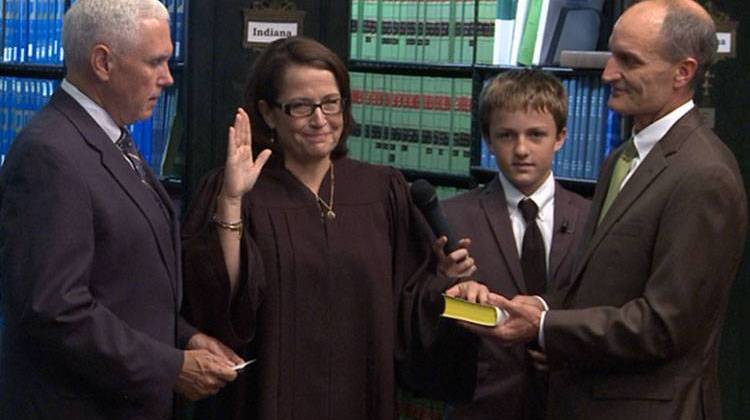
(468, 301)
(507, 321)
(476, 313)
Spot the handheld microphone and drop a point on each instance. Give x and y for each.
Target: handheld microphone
(424, 196)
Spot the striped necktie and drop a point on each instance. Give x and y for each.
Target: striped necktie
(127, 146)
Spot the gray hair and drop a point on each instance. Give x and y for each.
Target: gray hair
(110, 22)
(686, 33)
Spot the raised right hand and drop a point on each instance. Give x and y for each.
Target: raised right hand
(241, 170)
(203, 374)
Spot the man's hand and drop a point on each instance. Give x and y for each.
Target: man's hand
(535, 301)
(207, 367)
(524, 314)
(522, 325)
(457, 264)
(214, 346)
(203, 374)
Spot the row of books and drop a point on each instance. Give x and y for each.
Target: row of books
(412, 122)
(32, 30)
(423, 31)
(593, 131)
(21, 98)
(505, 32)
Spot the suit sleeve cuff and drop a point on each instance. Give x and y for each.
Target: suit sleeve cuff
(540, 336)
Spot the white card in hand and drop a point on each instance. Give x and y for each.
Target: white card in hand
(241, 366)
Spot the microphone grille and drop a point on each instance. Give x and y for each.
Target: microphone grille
(423, 193)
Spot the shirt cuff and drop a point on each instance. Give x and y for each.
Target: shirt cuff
(544, 303)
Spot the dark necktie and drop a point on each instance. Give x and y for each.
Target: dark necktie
(127, 146)
(533, 260)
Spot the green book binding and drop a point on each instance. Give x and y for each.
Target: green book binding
(470, 26)
(356, 28)
(485, 27)
(389, 40)
(354, 142)
(412, 117)
(409, 30)
(528, 39)
(462, 310)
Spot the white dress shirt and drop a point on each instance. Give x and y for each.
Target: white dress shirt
(646, 139)
(99, 114)
(544, 198)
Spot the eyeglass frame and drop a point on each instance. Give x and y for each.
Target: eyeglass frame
(286, 107)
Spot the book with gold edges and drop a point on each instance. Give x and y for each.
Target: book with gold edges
(476, 313)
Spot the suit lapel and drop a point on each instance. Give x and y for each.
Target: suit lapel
(112, 160)
(651, 167)
(563, 231)
(496, 211)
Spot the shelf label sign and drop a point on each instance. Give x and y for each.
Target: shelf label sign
(726, 35)
(267, 32)
(263, 26)
(725, 42)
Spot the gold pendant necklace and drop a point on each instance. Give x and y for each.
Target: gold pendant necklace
(326, 209)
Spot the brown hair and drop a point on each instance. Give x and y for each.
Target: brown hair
(267, 75)
(523, 89)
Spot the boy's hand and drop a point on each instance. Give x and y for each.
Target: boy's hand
(457, 264)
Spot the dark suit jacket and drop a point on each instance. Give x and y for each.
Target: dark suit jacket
(482, 215)
(639, 332)
(90, 270)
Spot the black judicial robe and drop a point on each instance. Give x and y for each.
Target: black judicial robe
(332, 309)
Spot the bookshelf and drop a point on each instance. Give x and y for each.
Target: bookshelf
(32, 65)
(417, 51)
(731, 83)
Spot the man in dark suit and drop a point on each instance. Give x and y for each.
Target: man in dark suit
(637, 331)
(523, 117)
(89, 243)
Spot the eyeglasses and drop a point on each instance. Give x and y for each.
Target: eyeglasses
(301, 109)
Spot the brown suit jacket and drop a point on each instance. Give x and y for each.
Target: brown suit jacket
(639, 328)
(482, 215)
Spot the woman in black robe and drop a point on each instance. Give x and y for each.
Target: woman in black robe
(315, 264)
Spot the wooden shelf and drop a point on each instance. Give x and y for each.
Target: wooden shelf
(411, 69)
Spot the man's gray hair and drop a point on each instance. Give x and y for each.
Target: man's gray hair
(110, 22)
(687, 34)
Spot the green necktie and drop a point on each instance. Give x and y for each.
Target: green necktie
(622, 167)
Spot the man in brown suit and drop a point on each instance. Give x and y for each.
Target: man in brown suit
(636, 333)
